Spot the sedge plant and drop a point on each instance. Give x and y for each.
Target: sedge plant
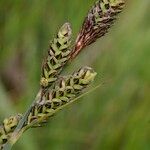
(57, 91)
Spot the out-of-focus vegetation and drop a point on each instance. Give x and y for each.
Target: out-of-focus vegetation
(115, 116)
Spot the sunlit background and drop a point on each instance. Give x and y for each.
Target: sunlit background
(114, 117)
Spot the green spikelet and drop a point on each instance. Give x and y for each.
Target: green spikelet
(58, 55)
(64, 91)
(9, 124)
(99, 19)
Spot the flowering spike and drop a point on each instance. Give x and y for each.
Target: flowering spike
(58, 55)
(9, 124)
(65, 90)
(99, 19)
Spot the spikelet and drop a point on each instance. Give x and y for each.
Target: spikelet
(99, 19)
(58, 55)
(64, 91)
(9, 124)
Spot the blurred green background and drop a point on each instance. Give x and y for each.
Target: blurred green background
(114, 117)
